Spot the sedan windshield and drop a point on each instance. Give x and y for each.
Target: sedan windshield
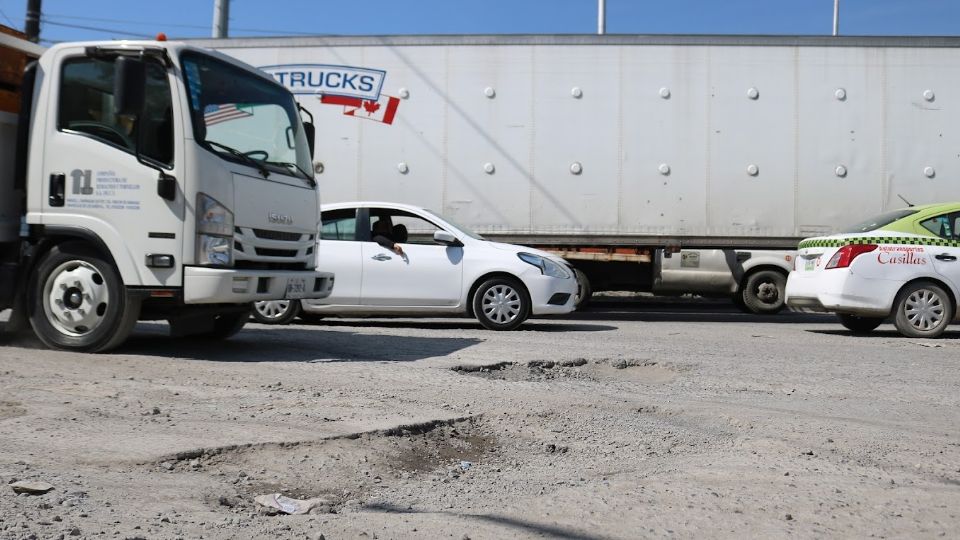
(244, 117)
(461, 228)
(876, 222)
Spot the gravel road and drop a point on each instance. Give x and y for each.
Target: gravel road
(625, 421)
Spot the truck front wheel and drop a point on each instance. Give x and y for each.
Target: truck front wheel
(78, 302)
(764, 292)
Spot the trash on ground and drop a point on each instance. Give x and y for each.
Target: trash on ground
(286, 505)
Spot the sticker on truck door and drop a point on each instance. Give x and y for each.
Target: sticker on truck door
(103, 190)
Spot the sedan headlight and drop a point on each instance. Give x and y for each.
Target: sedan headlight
(546, 266)
(214, 232)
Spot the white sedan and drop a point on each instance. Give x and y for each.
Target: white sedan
(903, 263)
(440, 268)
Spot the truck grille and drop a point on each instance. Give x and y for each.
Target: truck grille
(272, 247)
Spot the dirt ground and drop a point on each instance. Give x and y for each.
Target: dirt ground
(626, 421)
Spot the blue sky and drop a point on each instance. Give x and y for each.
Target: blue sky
(107, 19)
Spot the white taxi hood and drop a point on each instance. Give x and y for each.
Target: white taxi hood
(524, 249)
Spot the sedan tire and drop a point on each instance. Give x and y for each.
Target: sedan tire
(501, 303)
(276, 311)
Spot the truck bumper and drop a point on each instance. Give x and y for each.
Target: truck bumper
(203, 285)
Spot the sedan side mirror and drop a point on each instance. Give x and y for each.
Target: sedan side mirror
(447, 239)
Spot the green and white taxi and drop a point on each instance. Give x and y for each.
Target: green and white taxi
(902, 263)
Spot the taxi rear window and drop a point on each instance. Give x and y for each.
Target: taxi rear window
(876, 222)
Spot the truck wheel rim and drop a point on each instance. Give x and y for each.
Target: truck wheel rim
(501, 304)
(924, 309)
(273, 309)
(76, 298)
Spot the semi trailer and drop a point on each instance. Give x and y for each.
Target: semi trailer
(672, 164)
(148, 180)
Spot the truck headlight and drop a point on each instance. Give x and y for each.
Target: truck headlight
(214, 232)
(546, 266)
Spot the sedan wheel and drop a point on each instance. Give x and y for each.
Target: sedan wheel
(501, 304)
(276, 311)
(923, 310)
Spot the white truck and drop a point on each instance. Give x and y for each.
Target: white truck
(147, 181)
(673, 164)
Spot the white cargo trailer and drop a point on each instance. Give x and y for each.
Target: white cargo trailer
(661, 163)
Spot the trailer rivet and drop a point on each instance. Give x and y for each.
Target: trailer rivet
(928, 95)
(665, 93)
(576, 167)
(841, 171)
(404, 93)
(403, 168)
(488, 168)
(753, 93)
(489, 92)
(576, 92)
(318, 167)
(664, 169)
(753, 170)
(929, 172)
(840, 94)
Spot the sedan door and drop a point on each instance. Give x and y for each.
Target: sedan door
(339, 252)
(427, 274)
(946, 258)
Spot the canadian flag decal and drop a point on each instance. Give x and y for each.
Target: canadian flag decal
(382, 110)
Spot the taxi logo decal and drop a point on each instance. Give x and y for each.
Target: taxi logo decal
(894, 240)
(901, 255)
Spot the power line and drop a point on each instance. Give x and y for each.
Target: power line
(95, 29)
(7, 18)
(154, 24)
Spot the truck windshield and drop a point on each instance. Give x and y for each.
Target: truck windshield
(245, 118)
(876, 222)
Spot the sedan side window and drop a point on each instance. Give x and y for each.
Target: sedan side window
(944, 225)
(339, 225)
(402, 227)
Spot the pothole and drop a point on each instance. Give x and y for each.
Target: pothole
(342, 470)
(636, 370)
(11, 409)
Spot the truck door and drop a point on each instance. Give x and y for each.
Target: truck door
(91, 176)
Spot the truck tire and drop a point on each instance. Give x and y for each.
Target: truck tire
(77, 300)
(923, 310)
(763, 292)
(584, 291)
(858, 324)
(276, 311)
(501, 303)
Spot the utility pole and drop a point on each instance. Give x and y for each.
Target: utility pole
(836, 17)
(221, 16)
(32, 26)
(601, 17)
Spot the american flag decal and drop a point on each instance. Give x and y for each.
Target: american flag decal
(215, 114)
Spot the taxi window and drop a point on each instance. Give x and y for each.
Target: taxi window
(944, 225)
(876, 222)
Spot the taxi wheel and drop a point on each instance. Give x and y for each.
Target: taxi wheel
(858, 324)
(584, 291)
(923, 310)
(763, 292)
(276, 311)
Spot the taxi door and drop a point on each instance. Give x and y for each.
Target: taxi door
(946, 257)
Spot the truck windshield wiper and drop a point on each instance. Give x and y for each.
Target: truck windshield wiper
(243, 157)
(306, 175)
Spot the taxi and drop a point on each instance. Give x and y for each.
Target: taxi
(901, 264)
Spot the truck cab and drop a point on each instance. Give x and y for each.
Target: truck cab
(156, 180)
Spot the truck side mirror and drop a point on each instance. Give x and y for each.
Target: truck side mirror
(311, 133)
(129, 85)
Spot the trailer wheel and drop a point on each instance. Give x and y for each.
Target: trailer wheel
(501, 303)
(763, 292)
(77, 301)
(276, 311)
(923, 310)
(584, 291)
(858, 324)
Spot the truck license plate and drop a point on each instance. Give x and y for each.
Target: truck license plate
(296, 288)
